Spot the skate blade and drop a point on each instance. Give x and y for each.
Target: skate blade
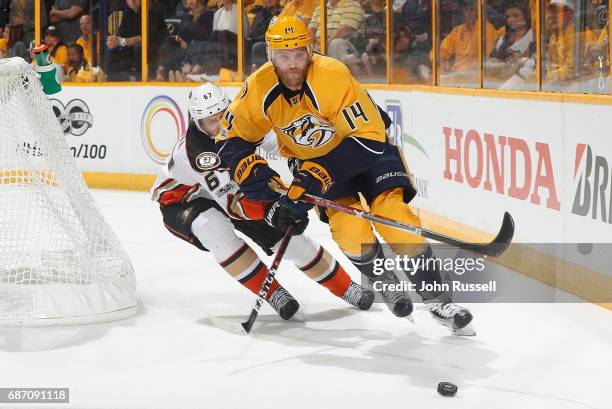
(467, 331)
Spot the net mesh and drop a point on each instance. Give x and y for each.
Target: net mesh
(52, 235)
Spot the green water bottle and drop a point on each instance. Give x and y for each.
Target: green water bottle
(47, 70)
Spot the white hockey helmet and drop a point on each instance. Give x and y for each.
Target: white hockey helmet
(206, 100)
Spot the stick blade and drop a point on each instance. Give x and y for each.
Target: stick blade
(229, 326)
(502, 240)
(505, 235)
(246, 326)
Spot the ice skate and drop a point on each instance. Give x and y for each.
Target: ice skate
(283, 303)
(358, 296)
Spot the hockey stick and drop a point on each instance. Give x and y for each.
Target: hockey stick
(494, 248)
(278, 257)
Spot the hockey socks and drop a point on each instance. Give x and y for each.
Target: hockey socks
(246, 267)
(253, 277)
(325, 270)
(322, 267)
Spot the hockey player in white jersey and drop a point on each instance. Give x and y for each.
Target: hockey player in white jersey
(202, 205)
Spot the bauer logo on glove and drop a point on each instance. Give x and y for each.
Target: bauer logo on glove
(312, 178)
(246, 165)
(320, 173)
(253, 175)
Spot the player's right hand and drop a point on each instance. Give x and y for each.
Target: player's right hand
(282, 217)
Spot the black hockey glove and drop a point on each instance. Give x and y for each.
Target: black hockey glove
(254, 176)
(282, 217)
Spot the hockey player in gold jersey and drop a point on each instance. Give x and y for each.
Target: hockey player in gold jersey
(335, 137)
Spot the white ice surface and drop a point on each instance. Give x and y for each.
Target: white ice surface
(170, 355)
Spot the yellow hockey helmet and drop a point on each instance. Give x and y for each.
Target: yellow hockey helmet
(288, 32)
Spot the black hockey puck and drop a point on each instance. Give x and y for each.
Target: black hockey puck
(447, 389)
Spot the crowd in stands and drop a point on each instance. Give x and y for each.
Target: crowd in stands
(66, 29)
(574, 55)
(190, 40)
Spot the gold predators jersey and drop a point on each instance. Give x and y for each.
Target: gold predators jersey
(331, 107)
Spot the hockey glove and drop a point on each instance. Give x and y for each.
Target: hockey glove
(254, 176)
(282, 217)
(311, 178)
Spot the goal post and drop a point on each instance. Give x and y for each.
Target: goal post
(60, 262)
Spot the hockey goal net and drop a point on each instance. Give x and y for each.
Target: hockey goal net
(60, 262)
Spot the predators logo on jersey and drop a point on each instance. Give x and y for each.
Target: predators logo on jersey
(309, 131)
(330, 107)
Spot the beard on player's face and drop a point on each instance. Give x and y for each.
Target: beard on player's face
(291, 66)
(293, 78)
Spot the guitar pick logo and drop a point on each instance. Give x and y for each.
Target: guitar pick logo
(74, 118)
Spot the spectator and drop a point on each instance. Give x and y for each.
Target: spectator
(225, 18)
(57, 49)
(256, 41)
(344, 21)
(11, 37)
(300, 8)
(22, 16)
(65, 14)
(85, 39)
(194, 27)
(416, 14)
(250, 6)
(376, 22)
(459, 50)
(198, 24)
(78, 69)
(559, 57)
(374, 58)
(221, 49)
(125, 47)
(124, 44)
(451, 15)
(410, 65)
(515, 47)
